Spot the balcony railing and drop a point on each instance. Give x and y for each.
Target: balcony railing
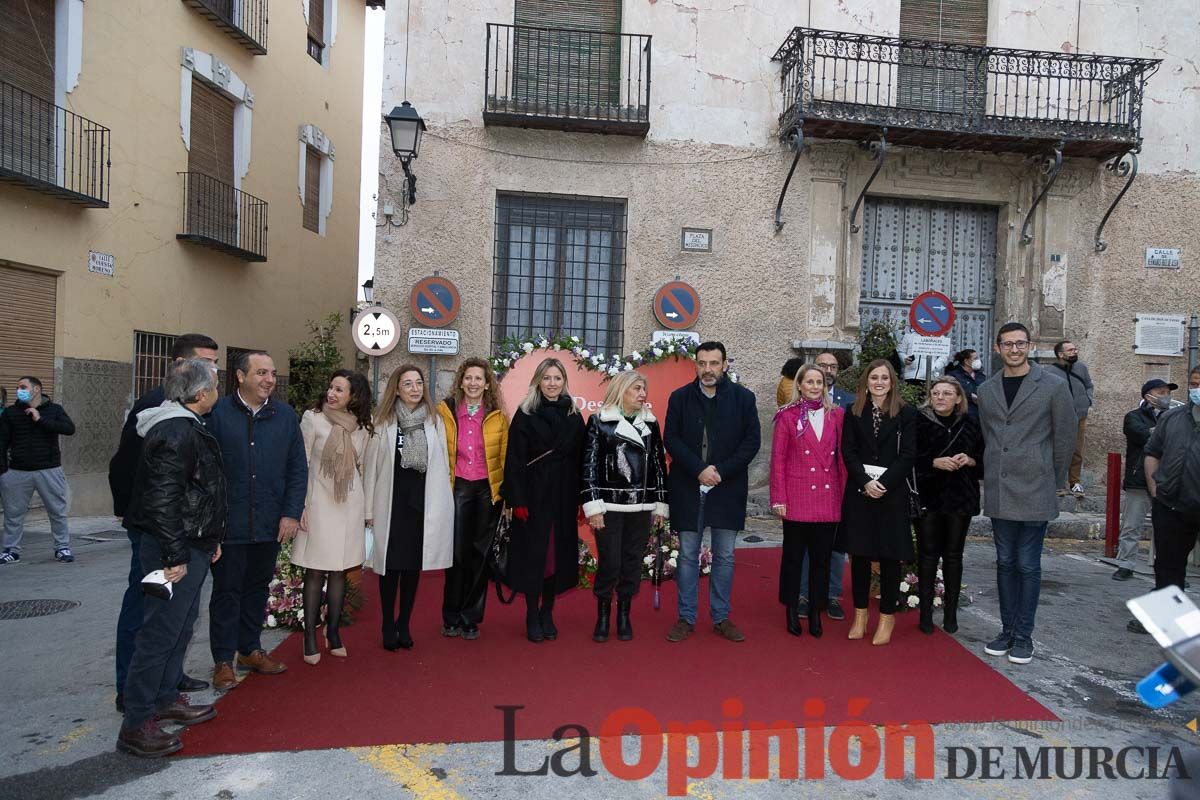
(572, 80)
(244, 20)
(935, 94)
(219, 216)
(52, 150)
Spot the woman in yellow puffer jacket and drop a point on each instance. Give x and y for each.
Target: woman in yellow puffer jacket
(476, 428)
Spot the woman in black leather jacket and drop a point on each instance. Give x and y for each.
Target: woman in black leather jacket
(624, 472)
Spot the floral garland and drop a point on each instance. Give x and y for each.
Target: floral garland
(587, 566)
(513, 348)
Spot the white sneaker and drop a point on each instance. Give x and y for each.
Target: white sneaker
(1077, 489)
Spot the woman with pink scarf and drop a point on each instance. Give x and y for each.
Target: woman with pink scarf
(807, 482)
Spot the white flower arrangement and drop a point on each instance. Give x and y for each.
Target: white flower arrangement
(913, 601)
(513, 349)
(904, 587)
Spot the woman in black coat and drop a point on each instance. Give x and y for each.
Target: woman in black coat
(878, 446)
(949, 452)
(541, 489)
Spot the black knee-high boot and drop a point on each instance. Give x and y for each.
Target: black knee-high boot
(952, 569)
(409, 580)
(533, 618)
(388, 583)
(926, 578)
(549, 632)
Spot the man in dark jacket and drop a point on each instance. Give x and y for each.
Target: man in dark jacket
(1173, 480)
(712, 434)
(178, 505)
(1083, 393)
(31, 461)
(121, 470)
(1135, 504)
(267, 472)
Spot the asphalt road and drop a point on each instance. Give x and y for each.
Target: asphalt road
(57, 738)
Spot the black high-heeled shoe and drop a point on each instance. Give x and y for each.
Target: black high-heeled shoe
(391, 641)
(403, 638)
(793, 621)
(814, 623)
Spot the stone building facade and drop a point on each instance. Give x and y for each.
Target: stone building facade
(170, 167)
(504, 155)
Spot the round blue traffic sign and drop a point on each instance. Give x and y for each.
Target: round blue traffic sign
(434, 301)
(677, 305)
(931, 314)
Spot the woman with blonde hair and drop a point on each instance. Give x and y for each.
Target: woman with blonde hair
(541, 487)
(331, 538)
(624, 472)
(408, 498)
(879, 445)
(476, 441)
(808, 480)
(949, 451)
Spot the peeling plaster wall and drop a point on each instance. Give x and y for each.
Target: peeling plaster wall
(712, 160)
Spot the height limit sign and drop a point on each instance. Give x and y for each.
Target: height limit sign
(376, 331)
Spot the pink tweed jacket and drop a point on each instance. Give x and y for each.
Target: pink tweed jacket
(807, 473)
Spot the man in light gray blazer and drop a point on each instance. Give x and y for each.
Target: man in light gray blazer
(1029, 425)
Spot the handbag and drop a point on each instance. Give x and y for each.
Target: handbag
(916, 509)
(497, 558)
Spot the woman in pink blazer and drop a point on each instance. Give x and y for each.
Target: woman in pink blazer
(807, 482)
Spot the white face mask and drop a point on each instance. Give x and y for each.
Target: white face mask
(977, 364)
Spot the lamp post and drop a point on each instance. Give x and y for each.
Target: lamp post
(368, 288)
(406, 126)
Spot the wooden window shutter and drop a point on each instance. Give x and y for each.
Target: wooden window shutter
(212, 133)
(316, 21)
(30, 301)
(27, 46)
(583, 15)
(312, 190)
(565, 70)
(938, 80)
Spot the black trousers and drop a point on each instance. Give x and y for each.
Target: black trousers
(815, 539)
(941, 536)
(465, 591)
(889, 583)
(622, 547)
(241, 580)
(1174, 537)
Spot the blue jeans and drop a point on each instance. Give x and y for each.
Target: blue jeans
(130, 620)
(720, 582)
(1018, 574)
(837, 570)
(153, 678)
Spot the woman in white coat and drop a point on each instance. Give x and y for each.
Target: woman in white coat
(409, 501)
(331, 538)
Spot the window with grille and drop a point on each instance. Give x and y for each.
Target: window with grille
(312, 190)
(151, 358)
(316, 29)
(952, 81)
(560, 268)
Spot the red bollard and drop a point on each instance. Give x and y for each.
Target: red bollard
(1112, 506)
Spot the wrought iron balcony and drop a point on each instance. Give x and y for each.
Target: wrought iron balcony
(570, 80)
(244, 20)
(52, 150)
(933, 94)
(219, 216)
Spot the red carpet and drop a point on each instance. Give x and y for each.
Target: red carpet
(446, 690)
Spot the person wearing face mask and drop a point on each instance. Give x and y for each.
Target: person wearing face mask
(1173, 481)
(1135, 500)
(807, 482)
(949, 452)
(409, 501)
(1083, 394)
(542, 471)
(476, 442)
(879, 445)
(30, 461)
(968, 371)
(331, 538)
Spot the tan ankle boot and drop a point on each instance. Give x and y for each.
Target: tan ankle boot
(858, 628)
(883, 633)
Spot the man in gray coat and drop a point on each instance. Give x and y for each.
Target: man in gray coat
(1029, 425)
(1083, 394)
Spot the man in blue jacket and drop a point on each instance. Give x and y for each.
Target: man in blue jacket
(267, 472)
(712, 433)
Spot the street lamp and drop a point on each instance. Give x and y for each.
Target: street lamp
(406, 126)
(368, 288)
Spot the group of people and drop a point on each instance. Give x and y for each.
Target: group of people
(210, 484)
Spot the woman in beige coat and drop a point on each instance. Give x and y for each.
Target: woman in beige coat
(409, 502)
(331, 538)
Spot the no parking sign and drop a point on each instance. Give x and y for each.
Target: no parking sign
(931, 314)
